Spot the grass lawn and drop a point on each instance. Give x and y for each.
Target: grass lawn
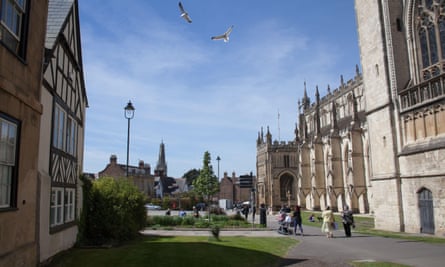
(179, 251)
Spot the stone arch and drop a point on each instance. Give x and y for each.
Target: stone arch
(287, 183)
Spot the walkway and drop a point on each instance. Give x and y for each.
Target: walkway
(317, 250)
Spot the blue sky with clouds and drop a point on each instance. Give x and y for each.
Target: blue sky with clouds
(196, 94)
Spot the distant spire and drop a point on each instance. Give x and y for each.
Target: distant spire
(297, 137)
(334, 125)
(161, 166)
(317, 94)
(262, 135)
(329, 89)
(305, 102)
(268, 136)
(342, 81)
(357, 70)
(317, 113)
(258, 140)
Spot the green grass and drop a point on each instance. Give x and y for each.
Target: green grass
(179, 251)
(406, 236)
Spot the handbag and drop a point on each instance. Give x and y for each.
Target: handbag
(334, 225)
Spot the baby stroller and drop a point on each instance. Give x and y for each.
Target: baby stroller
(284, 221)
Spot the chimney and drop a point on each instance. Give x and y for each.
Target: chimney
(113, 159)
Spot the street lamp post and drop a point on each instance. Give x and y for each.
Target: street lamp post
(129, 114)
(218, 159)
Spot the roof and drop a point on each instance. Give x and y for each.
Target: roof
(57, 13)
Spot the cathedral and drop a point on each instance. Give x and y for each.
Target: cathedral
(377, 142)
(326, 164)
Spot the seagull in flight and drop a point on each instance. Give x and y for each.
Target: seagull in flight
(224, 36)
(184, 13)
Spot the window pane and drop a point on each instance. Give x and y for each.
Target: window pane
(21, 4)
(442, 36)
(5, 186)
(424, 48)
(56, 209)
(433, 44)
(8, 136)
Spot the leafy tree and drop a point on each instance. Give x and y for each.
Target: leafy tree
(113, 212)
(191, 175)
(206, 184)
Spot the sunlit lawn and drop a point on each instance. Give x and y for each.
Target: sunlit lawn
(179, 251)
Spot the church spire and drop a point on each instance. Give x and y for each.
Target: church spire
(317, 113)
(305, 102)
(161, 166)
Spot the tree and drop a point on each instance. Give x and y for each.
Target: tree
(190, 176)
(206, 184)
(113, 211)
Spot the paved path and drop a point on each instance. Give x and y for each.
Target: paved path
(317, 250)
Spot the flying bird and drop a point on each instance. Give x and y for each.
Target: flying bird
(184, 13)
(224, 36)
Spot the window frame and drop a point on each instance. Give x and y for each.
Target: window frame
(65, 130)
(11, 186)
(56, 206)
(69, 205)
(14, 16)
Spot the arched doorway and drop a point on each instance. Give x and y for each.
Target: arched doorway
(426, 211)
(286, 188)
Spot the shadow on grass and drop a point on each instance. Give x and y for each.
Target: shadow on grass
(186, 251)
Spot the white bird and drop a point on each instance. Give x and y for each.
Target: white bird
(224, 36)
(184, 13)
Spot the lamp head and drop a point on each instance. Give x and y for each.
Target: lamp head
(129, 110)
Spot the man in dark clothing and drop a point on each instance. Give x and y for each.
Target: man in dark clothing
(348, 220)
(263, 216)
(297, 220)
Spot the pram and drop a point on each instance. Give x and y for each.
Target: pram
(284, 221)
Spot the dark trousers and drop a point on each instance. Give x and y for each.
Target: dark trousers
(347, 227)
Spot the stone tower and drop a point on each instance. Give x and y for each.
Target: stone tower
(402, 49)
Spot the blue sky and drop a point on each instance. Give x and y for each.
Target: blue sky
(196, 94)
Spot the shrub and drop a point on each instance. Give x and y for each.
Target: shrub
(114, 212)
(215, 231)
(217, 210)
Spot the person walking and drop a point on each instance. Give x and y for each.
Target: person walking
(297, 220)
(328, 222)
(263, 215)
(246, 211)
(348, 220)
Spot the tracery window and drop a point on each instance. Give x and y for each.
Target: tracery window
(430, 29)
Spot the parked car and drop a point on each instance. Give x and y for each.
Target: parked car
(151, 206)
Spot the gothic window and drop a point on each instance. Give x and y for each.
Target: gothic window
(12, 24)
(431, 36)
(286, 161)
